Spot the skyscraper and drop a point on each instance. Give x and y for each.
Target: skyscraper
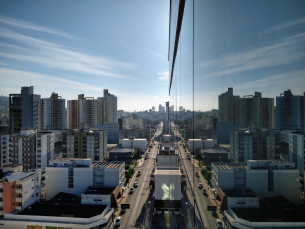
(24, 110)
(289, 112)
(53, 113)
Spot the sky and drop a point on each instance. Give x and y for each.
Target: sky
(83, 47)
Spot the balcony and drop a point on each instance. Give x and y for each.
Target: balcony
(1, 194)
(19, 190)
(1, 203)
(19, 208)
(1, 212)
(18, 199)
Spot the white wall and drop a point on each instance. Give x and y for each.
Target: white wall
(92, 199)
(167, 160)
(134, 143)
(56, 181)
(225, 179)
(257, 180)
(167, 187)
(112, 178)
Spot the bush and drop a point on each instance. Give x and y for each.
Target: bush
(127, 167)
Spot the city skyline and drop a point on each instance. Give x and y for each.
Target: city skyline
(43, 47)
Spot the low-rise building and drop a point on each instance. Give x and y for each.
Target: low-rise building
(265, 178)
(214, 155)
(18, 189)
(74, 175)
(63, 211)
(134, 143)
(120, 154)
(200, 143)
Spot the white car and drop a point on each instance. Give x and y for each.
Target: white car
(219, 223)
(135, 184)
(166, 211)
(199, 185)
(118, 221)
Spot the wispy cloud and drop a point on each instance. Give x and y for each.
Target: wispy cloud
(286, 25)
(156, 54)
(28, 49)
(29, 26)
(281, 53)
(164, 75)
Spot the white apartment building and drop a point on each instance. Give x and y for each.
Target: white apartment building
(31, 149)
(18, 189)
(75, 175)
(265, 178)
(297, 150)
(134, 123)
(134, 143)
(53, 112)
(200, 143)
(4, 149)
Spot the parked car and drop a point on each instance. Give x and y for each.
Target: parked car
(204, 191)
(166, 211)
(135, 184)
(159, 211)
(219, 223)
(123, 211)
(118, 221)
(131, 190)
(139, 173)
(214, 213)
(200, 185)
(177, 211)
(151, 181)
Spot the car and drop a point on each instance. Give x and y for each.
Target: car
(139, 173)
(183, 181)
(214, 213)
(200, 185)
(135, 184)
(177, 211)
(131, 190)
(219, 223)
(151, 181)
(204, 191)
(123, 211)
(159, 211)
(166, 211)
(118, 221)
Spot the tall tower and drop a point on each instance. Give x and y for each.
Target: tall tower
(109, 108)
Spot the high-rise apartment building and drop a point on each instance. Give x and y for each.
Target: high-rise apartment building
(31, 149)
(258, 144)
(109, 107)
(24, 110)
(161, 109)
(81, 113)
(249, 111)
(4, 149)
(85, 144)
(289, 112)
(53, 113)
(297, 150)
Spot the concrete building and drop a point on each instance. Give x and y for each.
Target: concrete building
(265, 178)
(112, 129)
(223, 131)
(63, 211)
(138, 133)
(228, 107)
(289, 111)
(53, 113)
(214, 155)
(161, 109)
(110, 108)
(200, 143)
(24, 110)
(258, 144)
(120, 154)
(4, 149)
(134, 143)
(297, 150)
(134, 123)
(85, 144)
(75, 175)
(19, 189)
(31, 149)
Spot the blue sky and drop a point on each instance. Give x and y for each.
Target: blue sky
(74, 47)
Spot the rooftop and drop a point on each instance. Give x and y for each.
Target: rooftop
(239, 193)
(101, 191)
(121, 150)
(223, 165)
(113, 164)
(214, 150)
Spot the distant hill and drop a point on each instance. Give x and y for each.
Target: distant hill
(4, 101)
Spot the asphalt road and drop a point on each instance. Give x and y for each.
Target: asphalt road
(139, 213)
